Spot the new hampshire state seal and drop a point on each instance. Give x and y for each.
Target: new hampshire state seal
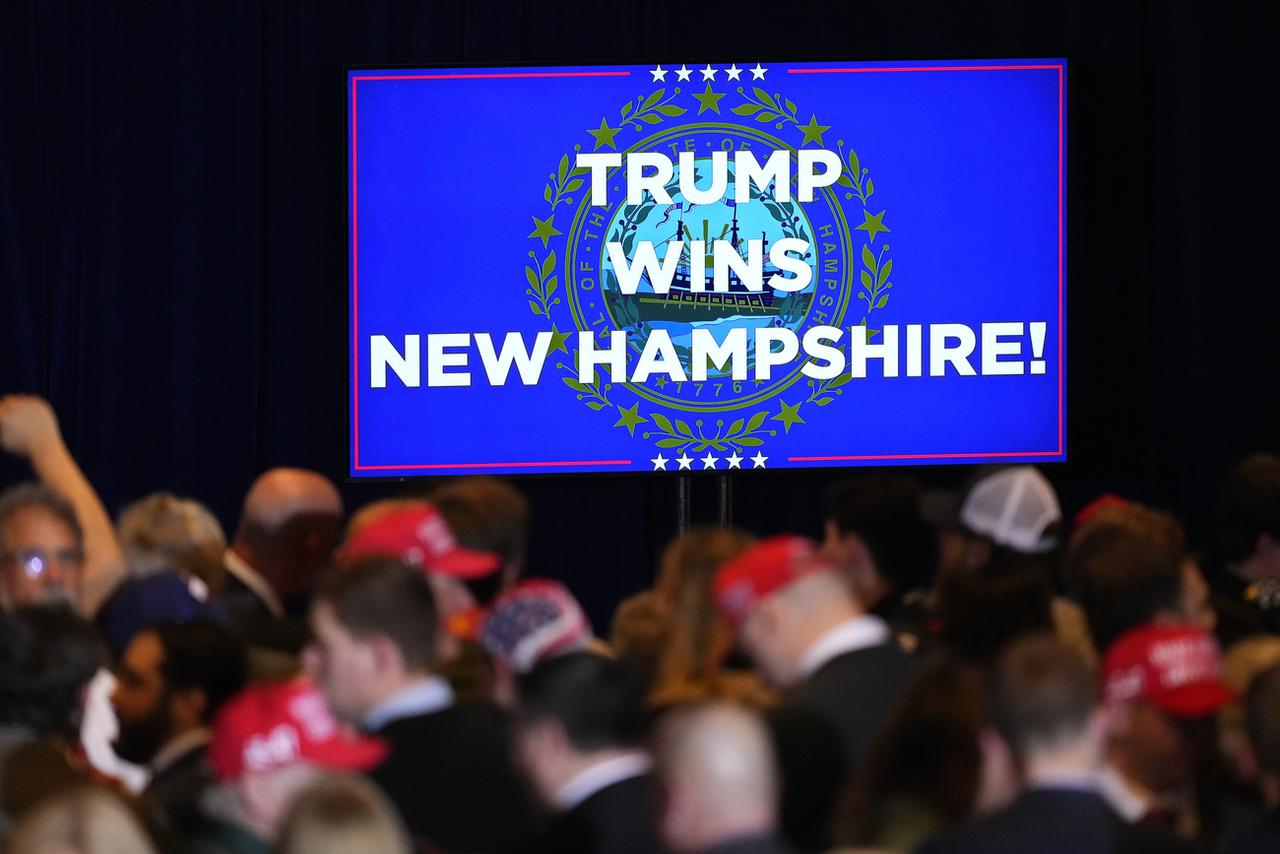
(572, 285)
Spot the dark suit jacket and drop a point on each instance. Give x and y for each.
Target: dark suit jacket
(1263, 839)
(752, 845)
(174, 793)
(240, 601)
(822, 730)
(618, 819)
(853, 693)
(450, 775)
(1056, 821)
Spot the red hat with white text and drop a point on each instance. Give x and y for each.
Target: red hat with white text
(273, 725)
(1178, 668)
(764, 568)
(419, 535)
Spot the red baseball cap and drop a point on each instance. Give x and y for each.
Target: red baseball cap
(273, 725)
(1178, 668)
(1097, 505)
(760, 570)
(419, 535)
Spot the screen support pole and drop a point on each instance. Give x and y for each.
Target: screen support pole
(683, 510)
(724, 501)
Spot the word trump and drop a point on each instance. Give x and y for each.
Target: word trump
(913, 350)
(649, 173)
(747, 171)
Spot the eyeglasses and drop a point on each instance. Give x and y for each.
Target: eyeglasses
(35, 562)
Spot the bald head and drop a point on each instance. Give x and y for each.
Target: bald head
(289, 527)
(718, 770)
(280, 494)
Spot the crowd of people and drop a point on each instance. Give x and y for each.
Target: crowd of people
(943, 672)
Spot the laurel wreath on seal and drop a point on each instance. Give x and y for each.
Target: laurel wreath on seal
(646, 112)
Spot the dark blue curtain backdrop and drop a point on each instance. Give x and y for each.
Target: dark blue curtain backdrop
(172, 252)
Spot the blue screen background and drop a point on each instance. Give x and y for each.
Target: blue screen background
(448, 174)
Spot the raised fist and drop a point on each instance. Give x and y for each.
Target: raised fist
(27, 425)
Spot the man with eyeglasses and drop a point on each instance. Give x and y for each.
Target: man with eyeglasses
(41, 548)
(54, 537)
(57, 544)
(41, 562)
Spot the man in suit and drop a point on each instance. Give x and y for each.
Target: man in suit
(875, 528)
(839, 668)
(579, 738)
(287, 532)
(465, 574)
(171, 681)
(375, 657)
(719, 782)
(1044, 705)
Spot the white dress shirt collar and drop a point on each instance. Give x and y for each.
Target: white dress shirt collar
(423, 697)
(1073, 779)
(600, 776)
(178, 748)
(853, 634)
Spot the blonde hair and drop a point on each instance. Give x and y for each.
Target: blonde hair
(698, 638)
(83, 821)
(163, 531)
(342, 814)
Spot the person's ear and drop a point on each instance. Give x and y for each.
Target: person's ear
(858, 563)
(844, 547)
(768, 617)
(188, 706)
(832, 537)
(385, 655)
(1115, 719)
(993, 745)
(999, 781)
(977, 553)
(543, 742)
(448, 647)
(1101, 724)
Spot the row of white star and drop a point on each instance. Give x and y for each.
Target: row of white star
(709, 462)
(708, 73)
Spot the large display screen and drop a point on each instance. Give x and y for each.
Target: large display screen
(706, 266)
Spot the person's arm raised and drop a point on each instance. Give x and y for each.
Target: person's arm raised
(29, 429)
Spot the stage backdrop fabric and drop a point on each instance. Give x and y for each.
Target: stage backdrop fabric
(173, 248)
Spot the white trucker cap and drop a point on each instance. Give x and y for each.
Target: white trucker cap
(1013, 507)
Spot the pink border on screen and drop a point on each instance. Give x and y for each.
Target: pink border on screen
(355, 270)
